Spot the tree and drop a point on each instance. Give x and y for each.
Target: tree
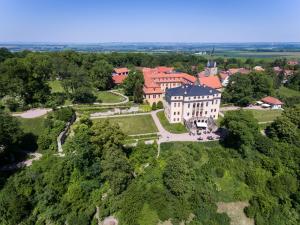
(4, 54)
(138, 92)
(101, 74)
(242, 128)
(176, 175)
(293, 114)
(243, 89)
(282, 129)
(84, 95)
(153, 107)
(239, 90)
(130, 83)
(10, 132)
(294, 81)
(117, 170)
(160, 105)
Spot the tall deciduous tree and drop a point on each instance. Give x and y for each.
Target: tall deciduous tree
(101, 74)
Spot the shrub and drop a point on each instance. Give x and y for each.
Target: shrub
(154, 106)
(159, 105)
(84, 95)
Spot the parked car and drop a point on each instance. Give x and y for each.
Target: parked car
(200, 138)
(210, 138)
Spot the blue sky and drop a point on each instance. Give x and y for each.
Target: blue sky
(149, 20)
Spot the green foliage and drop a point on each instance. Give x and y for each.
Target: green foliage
(176, 175)
(159, 105)
(294, 81)
(83, 95)
(133, 83)
(10, 132)
(243, 89)
(176, 128)
(153, 107)
(101, 75)
(242, 129)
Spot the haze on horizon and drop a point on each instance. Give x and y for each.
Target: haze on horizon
(93, 21)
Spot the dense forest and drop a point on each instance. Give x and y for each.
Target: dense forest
(187, 179)
(99, 175)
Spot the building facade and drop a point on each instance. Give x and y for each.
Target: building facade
(158, 80)
(192, 104)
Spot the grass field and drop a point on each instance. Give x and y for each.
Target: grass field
(108, 97)
(56, 86)
(266, 115)
(130, 125)
(287, 92)
(34, 126)
(176, 128)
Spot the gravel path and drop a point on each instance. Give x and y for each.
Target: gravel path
(33, 113)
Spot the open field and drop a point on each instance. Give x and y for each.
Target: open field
(34, 125)
(108, 97)
(176, 128)
(138, 124)
(287, 92)
(266, 115)
(262, 54)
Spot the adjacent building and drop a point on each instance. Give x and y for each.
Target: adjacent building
(121, 71)
(272, 102)
(119, 75)
(192, 104)
(211, 81)
(158, 80)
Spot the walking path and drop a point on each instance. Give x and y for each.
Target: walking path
(120, 115)
(33, 113)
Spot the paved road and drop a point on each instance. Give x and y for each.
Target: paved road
(166, 136)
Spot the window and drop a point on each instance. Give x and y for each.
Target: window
(194, 97)
(178, 104)
(206, 103)
(174, 113)
(188, 114)
(189, 105)
(205, 112)
(154, 96)
(215, 110)
(175, 104)
(178, 113)
(211, 110)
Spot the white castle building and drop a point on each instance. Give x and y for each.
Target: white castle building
(192, 105)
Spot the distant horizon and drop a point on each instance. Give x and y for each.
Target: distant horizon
(149, 42)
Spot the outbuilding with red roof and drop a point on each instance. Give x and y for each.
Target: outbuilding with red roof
(273, 102)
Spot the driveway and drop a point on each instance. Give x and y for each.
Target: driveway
(166, 136)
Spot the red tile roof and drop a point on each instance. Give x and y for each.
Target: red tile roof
(271, 100)
(121, 70)
(211, 81)
(153, 78)
(118, 79)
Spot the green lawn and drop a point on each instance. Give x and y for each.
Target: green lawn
(108, 97)
(56, 86)
(287, 92)
(34, 125)
(140, 124)
(176, 128)
(266, 115)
